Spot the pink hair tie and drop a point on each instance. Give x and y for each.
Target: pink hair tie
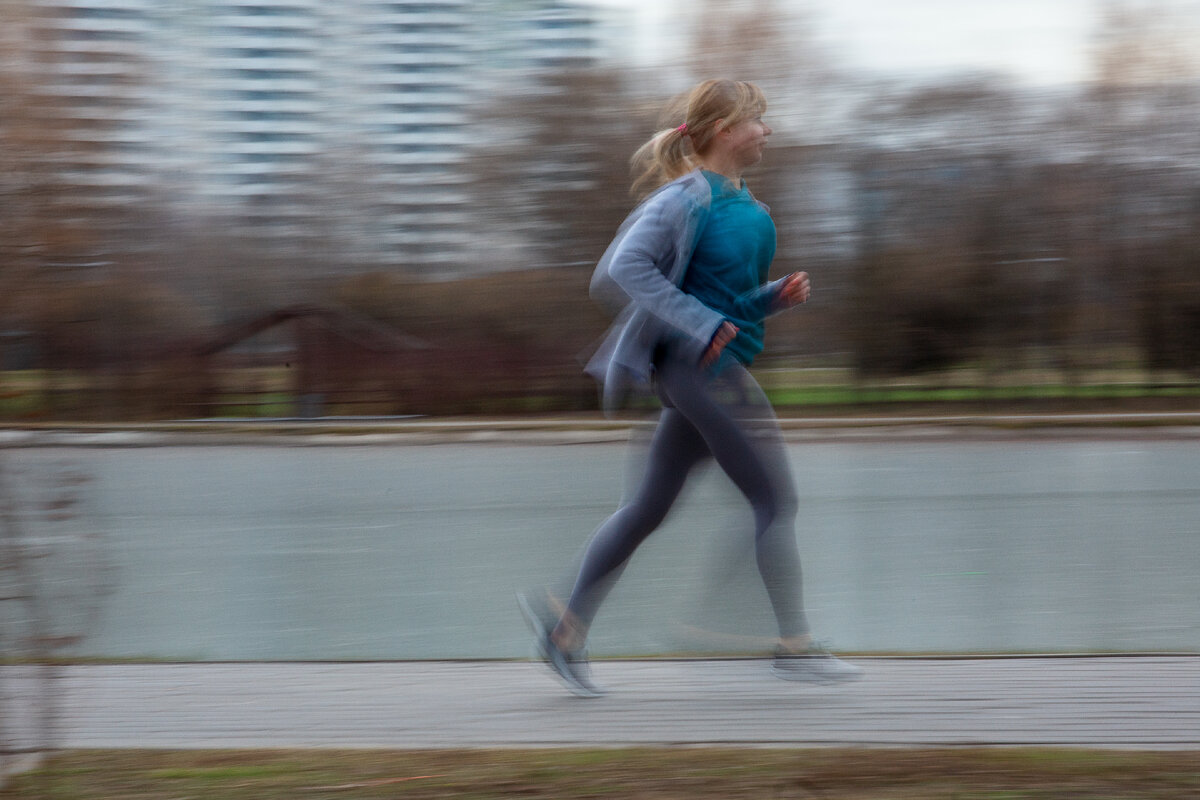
(682, 129)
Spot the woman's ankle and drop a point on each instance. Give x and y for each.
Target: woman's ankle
(795, 644)
(568, 634)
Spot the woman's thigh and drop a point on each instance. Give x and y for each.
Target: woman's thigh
(723, 411)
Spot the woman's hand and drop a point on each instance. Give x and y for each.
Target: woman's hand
(724, 335)
(794, 291)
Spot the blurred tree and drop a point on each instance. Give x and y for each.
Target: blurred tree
(1140, 43)
(944, 227)
(1143, 101)
(1168, 306)
(1143, 114)
(774, 45)
(63, 102)
(75, 272)
(978, 113)
(34, 141)
(754, 40)
(57, 221)
(506, 341)
(551, 178)
(915, 310)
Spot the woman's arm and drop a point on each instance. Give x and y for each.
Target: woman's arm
(637, 264)
(773, 297)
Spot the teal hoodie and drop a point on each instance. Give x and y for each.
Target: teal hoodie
(640, 276)
(730, 262)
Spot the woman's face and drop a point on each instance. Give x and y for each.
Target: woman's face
(746, 140)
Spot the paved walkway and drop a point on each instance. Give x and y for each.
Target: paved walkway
(1148, 702)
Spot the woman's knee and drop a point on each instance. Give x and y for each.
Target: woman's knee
(775, 506)
(642, 515)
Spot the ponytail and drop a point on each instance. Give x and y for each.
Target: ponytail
(661, 160)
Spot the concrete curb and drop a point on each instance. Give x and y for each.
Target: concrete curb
(538, 431)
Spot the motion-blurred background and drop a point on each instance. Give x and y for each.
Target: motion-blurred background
(327, 207)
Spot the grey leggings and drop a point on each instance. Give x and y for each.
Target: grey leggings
(729, 419)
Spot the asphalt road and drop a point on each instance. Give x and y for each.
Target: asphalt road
(382, 550)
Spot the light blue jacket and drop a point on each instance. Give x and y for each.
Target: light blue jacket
(640, 274)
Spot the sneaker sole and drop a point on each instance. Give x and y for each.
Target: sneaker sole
(824, 680)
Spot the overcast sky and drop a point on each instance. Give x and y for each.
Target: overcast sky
(1036, 41)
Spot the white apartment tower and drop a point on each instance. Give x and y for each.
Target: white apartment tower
(337, 123)
(403, 104)
(542, 35)
(250, 125)
(298, 123)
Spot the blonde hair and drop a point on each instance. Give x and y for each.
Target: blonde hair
(668, 154)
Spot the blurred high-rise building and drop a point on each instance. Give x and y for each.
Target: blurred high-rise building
(531, 36)
(334, 129)
(87, 63)
(401, 81)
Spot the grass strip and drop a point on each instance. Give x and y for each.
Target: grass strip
(674, 773)
(884, 395)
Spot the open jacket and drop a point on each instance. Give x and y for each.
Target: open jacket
(640, 275)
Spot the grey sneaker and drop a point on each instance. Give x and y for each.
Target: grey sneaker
(815, 665)
(572, 667)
